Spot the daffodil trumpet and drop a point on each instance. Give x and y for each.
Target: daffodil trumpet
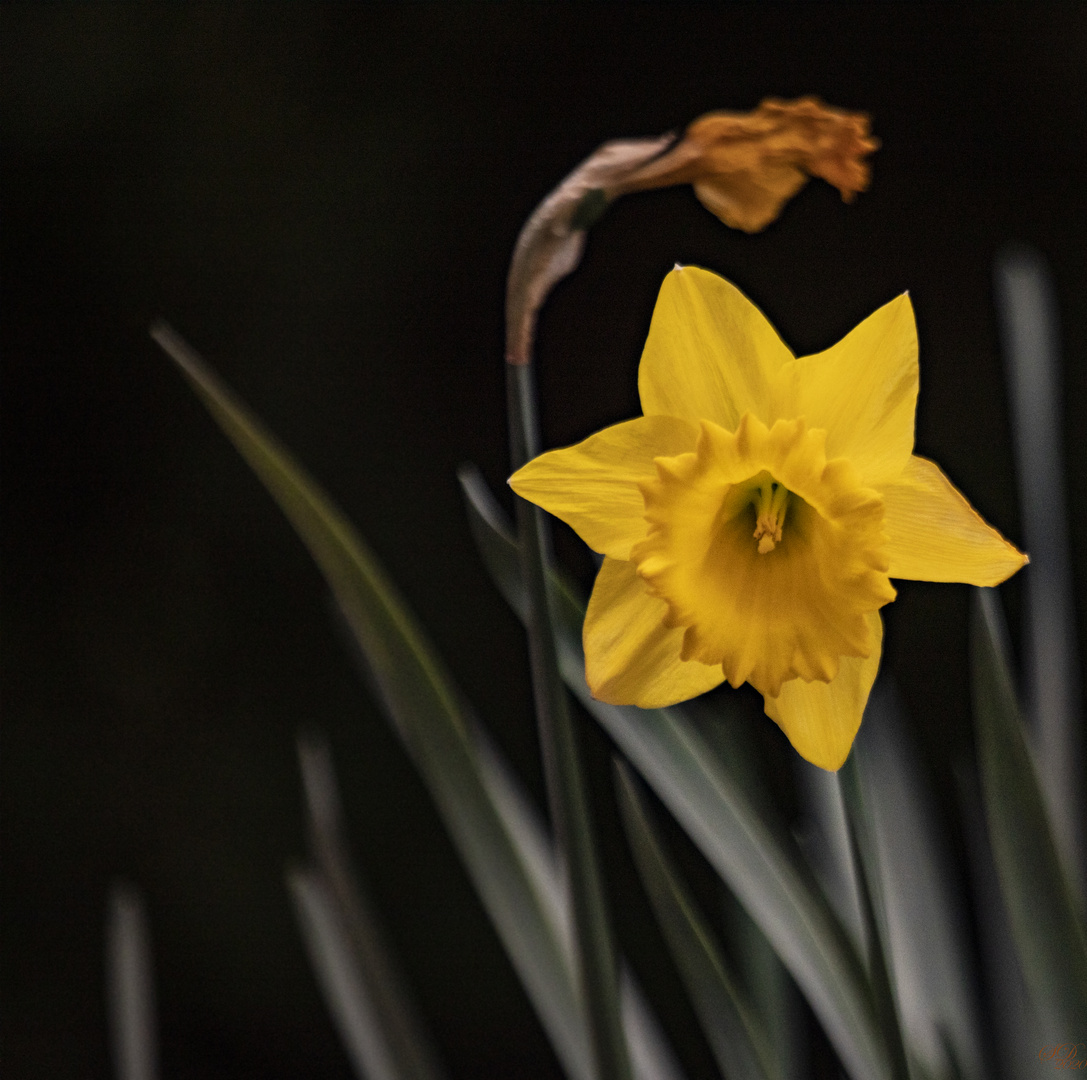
(752, 518)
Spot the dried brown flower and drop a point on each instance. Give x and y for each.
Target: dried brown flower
(745, 166)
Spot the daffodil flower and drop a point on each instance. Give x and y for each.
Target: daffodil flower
(752, 519)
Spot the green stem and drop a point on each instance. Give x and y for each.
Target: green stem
(566, 788)
(873, 914)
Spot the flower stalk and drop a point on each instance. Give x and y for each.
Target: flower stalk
(743, 168)
(563, 772)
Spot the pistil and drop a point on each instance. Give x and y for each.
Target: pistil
(770, 500)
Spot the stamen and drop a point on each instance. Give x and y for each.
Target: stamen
(770, 504)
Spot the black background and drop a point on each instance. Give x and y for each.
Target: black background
(323, 199)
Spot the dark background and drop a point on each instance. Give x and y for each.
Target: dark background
(323, 199)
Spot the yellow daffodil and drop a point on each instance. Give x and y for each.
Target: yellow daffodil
(751, 520)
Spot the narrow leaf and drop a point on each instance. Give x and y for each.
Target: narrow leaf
(651, 1055)
(922, 893)
(130, 986)
(350, 995)
(336, 915)
(1031, 337)
(873, 908)
(739, 1043)
(567, 790)
(439, 734)
(766, 874)
(427, 712)
(1048, 934)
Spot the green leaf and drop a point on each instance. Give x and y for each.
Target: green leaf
(735, 1035)
(1028, 315)
(1047, 931)
(348, 951)
(751, 855)
(567, 789)
(130, 986)
(439, 734)
(922, 896)
(353, 995)
(873, 910)
(426, 710)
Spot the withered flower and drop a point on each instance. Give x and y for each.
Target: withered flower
(745, 166)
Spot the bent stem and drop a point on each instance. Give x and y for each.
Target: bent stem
(566, 790)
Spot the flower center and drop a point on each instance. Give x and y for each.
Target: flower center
(770, 500)
(794, 602)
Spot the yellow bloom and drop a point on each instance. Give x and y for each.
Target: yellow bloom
(752, 518)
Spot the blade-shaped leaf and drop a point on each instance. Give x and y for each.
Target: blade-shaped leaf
(436, 728)
(591, 938)
(873, 909)
(1027, 309)
(922, 896)
(1015, 1028)
(735, 1034)
(352, 997)
(1048, 933)
(755, 860)
(348, 950)
(725, 724)
(651, 1055)
(130, 986)
(426, 710)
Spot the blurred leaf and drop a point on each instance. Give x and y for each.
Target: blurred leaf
(1048, 935)
(928, 930)
(1027, 309)
(1013, 1021)
(436, 727)
(737, 1039)
(725, 725)
(753, 857)
(130, 987)
(651, 1056)
(873, 909)
(352, 995)
(347, 946)
(591, 938)
(426, 711)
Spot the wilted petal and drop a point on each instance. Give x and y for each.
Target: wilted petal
(934, 534)
(745, 166)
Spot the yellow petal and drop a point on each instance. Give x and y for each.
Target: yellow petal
(862, 391)
(934, 534)
(710, 354)
(821, 719)
(593, 486)
(631, 657)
